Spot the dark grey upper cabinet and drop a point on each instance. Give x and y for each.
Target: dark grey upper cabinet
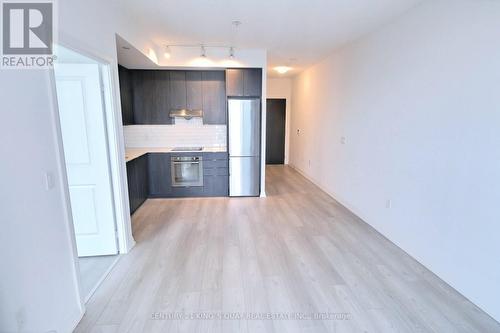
(214, 98)
(252, 82)
(178, 90)
(151, 97)
(194, 90)
(141, 114)
(137, 96)
(160, 99)
(234, 82)
(244, 82)
(125, 80)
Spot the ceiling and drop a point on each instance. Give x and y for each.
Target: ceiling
(296, 33)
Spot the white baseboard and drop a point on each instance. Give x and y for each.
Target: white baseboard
(333, 195)
(354, 211)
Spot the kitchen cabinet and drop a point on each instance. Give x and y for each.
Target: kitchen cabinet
(137, 180)
(194, 99)
(216, 174)
(141, 114)
(158, 100)
(244, 82)
(214, 97)
(132, 185)
(160, 181)
(252, 82)
(125, 80)
(178, 90)
(186, 90)
(149, 95)
(150, 176)
(234, 82)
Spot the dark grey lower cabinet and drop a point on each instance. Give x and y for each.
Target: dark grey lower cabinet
(150, 176)
(137, 179)
(215, 176)
(160, 181)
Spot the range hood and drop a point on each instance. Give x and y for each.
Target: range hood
(185, 113)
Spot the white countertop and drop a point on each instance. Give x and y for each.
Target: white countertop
(133, 153)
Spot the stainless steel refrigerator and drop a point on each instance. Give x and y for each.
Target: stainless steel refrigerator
(244, 147)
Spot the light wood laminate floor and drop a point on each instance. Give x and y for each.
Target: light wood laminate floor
(92, 270)
(294, 253)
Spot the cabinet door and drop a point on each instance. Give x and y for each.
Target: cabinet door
(160, 98)
(178, 90)
(125, 80)
(193, 90)
(214, 98)
(216, 175)
(234, 82)
(159, 175)
(141, 114)
(142, 178)
(252, 82)
(132, 185)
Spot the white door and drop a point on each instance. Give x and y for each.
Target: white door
(85, 148)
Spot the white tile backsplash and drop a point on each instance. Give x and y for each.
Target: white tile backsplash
(180, 121)
(185, 133)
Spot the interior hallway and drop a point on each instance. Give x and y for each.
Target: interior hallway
(295, 251)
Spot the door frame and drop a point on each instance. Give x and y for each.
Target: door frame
(116, 156)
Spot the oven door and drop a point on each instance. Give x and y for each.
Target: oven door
(186, 171)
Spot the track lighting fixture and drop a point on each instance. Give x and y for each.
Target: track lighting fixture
(202, 47)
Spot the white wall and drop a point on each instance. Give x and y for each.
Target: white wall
(38, 283)
(38, 288)
(419, 104)
(282, 88)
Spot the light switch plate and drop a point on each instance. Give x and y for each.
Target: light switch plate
(49, 180)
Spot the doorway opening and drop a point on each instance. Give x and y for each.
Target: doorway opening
(81, 97)
(275, 130)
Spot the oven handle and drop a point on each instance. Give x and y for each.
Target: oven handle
(186, 162)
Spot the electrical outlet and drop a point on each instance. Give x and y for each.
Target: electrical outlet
(343, 140)
(388, 204)
(298, 131)
(309, 163)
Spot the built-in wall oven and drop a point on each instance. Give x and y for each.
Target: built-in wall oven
(186, 171)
